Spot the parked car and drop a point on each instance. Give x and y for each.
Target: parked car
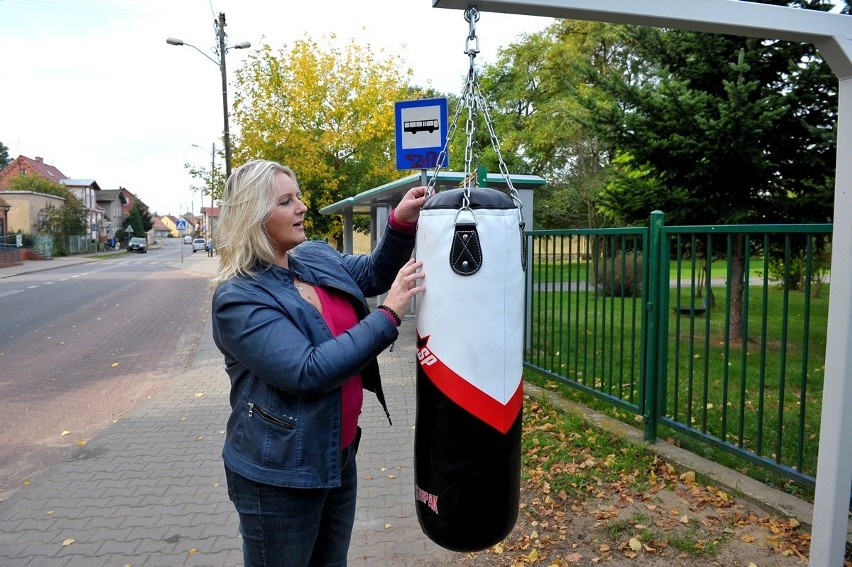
(187, 239)
(199, 244)
(137, 244)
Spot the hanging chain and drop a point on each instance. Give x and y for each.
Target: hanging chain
(467, 99)
(473, 99)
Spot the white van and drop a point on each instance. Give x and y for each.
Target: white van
(187, 239)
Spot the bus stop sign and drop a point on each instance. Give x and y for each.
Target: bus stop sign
(421, 133)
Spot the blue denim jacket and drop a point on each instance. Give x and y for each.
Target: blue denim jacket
(286, 367)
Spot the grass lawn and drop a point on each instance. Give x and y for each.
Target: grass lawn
(762, 395)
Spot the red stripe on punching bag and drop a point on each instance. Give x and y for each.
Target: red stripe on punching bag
(466, 395)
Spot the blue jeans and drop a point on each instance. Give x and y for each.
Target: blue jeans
(296, 527)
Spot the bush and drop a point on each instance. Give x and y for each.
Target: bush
(619, 275)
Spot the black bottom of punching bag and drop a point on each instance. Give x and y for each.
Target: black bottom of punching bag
(466, 473)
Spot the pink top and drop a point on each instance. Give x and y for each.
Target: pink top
(340, 316)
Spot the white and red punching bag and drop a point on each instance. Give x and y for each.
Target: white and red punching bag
(467, 445)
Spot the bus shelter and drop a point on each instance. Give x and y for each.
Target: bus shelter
(379, 201)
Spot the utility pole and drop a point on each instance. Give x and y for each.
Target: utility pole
(220, 29)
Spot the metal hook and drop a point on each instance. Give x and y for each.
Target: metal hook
(471, 14)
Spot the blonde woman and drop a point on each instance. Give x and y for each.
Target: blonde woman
(300, 346)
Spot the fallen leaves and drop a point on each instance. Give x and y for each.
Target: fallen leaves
(591, 506)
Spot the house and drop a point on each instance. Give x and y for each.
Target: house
(210, 217)
(4, 220)
(171, 222)
(160, 229)
(25, 209)
(112, 202)
(22, 165)
(129, 200)
(86, 190)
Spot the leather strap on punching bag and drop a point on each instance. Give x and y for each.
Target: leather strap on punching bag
(466, 253)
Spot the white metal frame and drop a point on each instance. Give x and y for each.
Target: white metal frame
(832, 35)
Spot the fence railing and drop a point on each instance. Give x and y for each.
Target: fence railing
(717, 332)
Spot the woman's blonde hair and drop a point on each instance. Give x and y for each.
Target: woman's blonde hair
(241, 238)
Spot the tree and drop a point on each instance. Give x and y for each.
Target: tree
(4, 156)
(38, 184)
(536, 87)
(720, 130)
(213, 180)
(326, 112)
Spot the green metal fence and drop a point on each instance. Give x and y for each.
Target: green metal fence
(717, 332)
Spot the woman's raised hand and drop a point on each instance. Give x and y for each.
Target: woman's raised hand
(405, 286)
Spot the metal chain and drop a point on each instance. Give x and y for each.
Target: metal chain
(430, 187)
(473, 99)
(471, 15)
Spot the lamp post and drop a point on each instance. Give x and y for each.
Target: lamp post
(222, 49)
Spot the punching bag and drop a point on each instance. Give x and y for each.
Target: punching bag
(467, 444)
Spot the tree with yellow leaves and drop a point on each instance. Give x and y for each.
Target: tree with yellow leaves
(326, 112)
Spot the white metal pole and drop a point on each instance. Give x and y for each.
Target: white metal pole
(834, 462)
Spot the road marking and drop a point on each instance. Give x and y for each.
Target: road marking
(129, 261)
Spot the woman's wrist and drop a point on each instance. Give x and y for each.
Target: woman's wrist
(392, 313)
(400, 225)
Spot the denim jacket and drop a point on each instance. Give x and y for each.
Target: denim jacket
(286, 367)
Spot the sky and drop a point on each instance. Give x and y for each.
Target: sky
(92, 87)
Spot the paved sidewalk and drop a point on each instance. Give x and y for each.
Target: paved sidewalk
(150, 489)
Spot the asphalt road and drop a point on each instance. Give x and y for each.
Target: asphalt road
(81, 345)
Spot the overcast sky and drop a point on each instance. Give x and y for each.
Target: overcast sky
(92, 87)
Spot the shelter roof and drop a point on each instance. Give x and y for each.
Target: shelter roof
(389, 194)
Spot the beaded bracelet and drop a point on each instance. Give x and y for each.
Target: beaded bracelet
(392, 312)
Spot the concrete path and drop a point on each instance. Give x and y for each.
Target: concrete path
(150, 490)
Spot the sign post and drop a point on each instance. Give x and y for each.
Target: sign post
(421, 133)
(181, 226)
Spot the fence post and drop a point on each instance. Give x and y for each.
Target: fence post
(652, 281)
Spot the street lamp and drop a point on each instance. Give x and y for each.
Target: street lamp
(222, 50)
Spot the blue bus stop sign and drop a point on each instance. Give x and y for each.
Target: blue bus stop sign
(421, 132)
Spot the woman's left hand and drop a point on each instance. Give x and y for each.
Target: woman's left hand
(408, 209)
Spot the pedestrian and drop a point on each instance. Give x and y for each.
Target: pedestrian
(300, 346)
(210, 248)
